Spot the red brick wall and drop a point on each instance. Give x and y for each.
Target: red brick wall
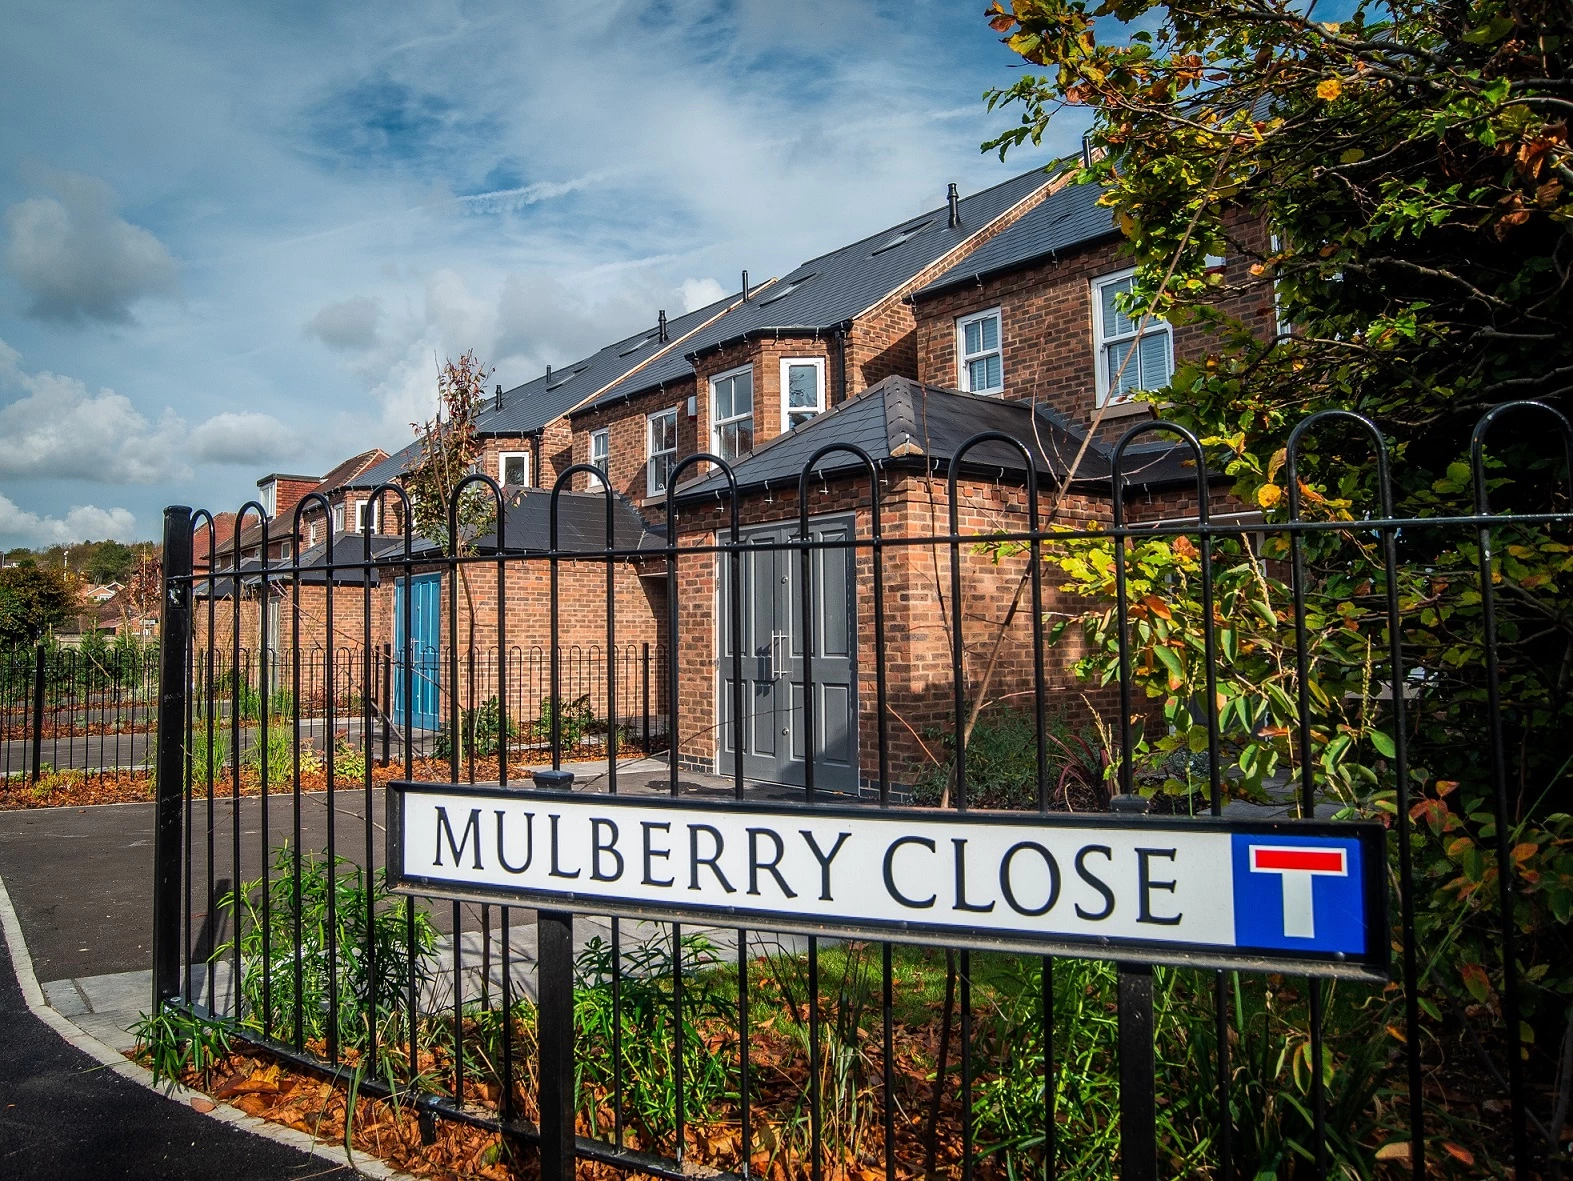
(1047, 330)
(625, 423)
(916, 652)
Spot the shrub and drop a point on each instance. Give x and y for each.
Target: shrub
(1002, 763)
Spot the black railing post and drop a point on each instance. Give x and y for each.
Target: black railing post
(1138, 1069)
(387, 700)
(645, 695)
(38, 711)
(554, 964)
(174, 642)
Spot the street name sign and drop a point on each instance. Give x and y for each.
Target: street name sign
(1308, 897)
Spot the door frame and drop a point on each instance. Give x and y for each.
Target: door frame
(405, 712)
(722, 662)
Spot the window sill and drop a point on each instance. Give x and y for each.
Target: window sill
(1125, 410)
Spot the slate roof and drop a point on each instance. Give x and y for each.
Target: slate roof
(826, 292)
(345, 474)
(581, 524)
(1064, 220)
(530, 406)
(900, 422)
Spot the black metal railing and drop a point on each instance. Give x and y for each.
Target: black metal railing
(76, 712)
(1324, 657)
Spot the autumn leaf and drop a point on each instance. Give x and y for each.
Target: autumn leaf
(1268, 495)
(1476, 980)
(1460, 1154)
(1328, 89)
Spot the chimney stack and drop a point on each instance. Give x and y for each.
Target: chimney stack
(953, 199)
(660, 327)
(498, 403)
(745, 286)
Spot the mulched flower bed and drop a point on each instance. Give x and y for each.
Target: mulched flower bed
(78, 789)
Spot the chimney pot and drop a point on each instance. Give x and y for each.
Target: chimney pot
(660, 323)
(953, 199)
(498, 403)
(745, 286)
(548, 373)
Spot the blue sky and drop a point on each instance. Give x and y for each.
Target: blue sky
(234, 237)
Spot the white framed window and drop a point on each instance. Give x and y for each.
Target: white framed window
(660, 449)
(981, 359)
(270, 498)
(365, 513)
(802, 390)
(311, 532)
(338, 518)
(1148, 359)
(513, 468)
(601, 449)
(732, 413)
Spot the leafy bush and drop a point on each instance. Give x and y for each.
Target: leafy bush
(1002, 763)
(647, 1030)
(174, 1041)
(374, 961)
(479, 729)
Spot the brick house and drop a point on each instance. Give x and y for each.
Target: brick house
(994, 312)
(1020, 334)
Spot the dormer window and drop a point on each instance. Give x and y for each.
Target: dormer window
(365, 514)
(513, 469)
(1127, 362)
(982, 360)
(802, 390)
(732, 413)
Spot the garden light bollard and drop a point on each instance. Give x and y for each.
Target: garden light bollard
(174, 645)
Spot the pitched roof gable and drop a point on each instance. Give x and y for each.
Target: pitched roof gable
(1067, 218)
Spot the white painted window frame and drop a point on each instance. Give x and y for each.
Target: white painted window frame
(651, 454)
(818, 364)
(963, 358)
(753, 400)
(502, 467)
(602, 440)
(338, 517)
(1101, 341)
(269, 496)
(365, 510)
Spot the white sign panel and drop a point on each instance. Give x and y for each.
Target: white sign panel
(1269, 895)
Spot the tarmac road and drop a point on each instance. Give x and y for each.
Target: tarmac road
(63, 1115)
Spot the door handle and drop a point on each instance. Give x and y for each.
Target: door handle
(780, 655)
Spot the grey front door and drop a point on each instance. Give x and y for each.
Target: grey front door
(774, 729)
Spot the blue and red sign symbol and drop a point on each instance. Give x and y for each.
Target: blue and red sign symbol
(1300, 893)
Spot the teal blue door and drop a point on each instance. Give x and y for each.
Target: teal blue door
(422, 660)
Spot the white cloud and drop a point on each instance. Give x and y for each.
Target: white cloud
(242, 438)
(84, 522)
(698, 293)
(349, 325)
(76, 259)
(59, 430)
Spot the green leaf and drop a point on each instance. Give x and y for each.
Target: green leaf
(1491, 32)
(1384, 744)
